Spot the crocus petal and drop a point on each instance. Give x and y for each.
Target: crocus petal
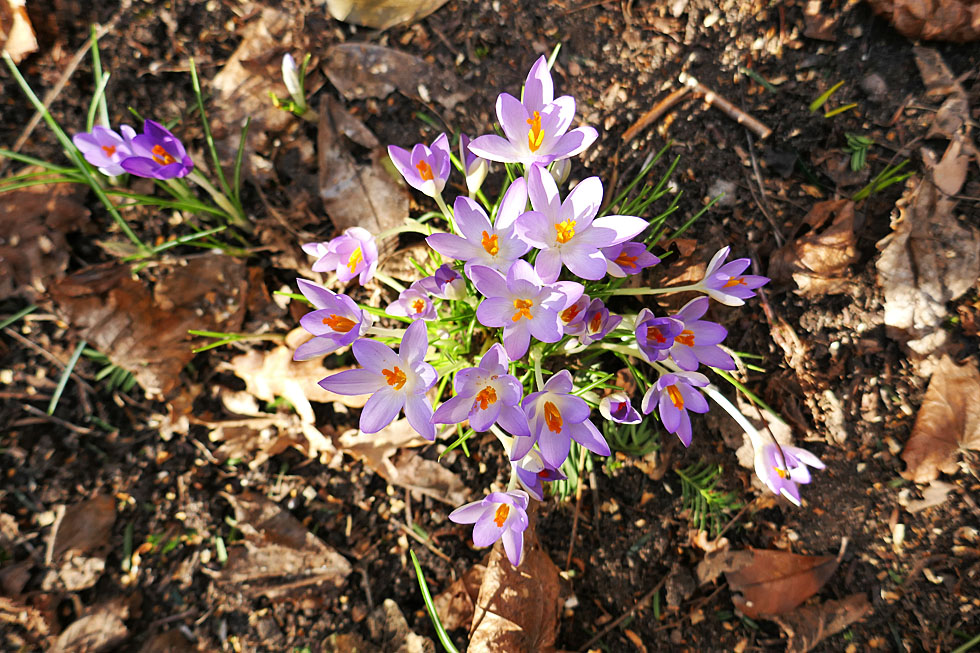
(548, 266)
(381, 410)
(517, 340)
(539, 89)
(585, 264)
(513, 545)
(453, 411)
(375, 356)
(489, 281)
(486, 531)
(624, 227)
(512, 117)
(513, 204)
(414, 343)
(317, 294)
(554, 447)
(468, 514)
(353, 382)
(495, 148)
(543, 192)
(587, 435)
(521, 446)
(316, 347)
(574, 142)
(418, 410)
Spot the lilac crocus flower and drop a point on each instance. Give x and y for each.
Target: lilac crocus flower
(556, 417)
(698, 341)
(336, 322)
(475, 168)
(655, 335)
(500, 516)
(616, 407)
(486, 395)
(673, 395)
(628, 258)
(424, 168)
(157, 154)
(522, 305)
(568, 232)
(413, 302)
(105, 149)
(445, 283)
(531, 470)
(725, 283)
(572, 316)
(536, 129)
(597, 322)
(351, 254)
(394, 381)
(495, 245)
(782, 467)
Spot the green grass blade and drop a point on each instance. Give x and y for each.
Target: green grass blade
(6, 322)
(23, 158)
(100, 83)
(196, 83)
(63, 381)
(823, 97)
(94, 104)
(444, 639)
(239, 156)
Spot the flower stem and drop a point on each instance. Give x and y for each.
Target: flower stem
(388, 281)
(235, 215)
(411, 227)
(386, 333)
(619, 349)
(646, 291)
(536, 360)
(446, 212)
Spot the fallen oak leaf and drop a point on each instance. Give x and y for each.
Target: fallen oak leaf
(774, 582)
(809, 625)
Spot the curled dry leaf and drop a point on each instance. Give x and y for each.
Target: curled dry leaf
(381, 14)
(16, 32)
(949, 420)
(455, 604)
(78, 543)
(942, 20)
(102, 629)
(809, 625)
(387, 625)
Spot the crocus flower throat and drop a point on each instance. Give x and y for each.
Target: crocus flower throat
(535, 135)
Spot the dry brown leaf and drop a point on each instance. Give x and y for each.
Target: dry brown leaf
(774, 582)
(78, 542)
(818, 261)
(101, 630)
(16, 32)
(172, 641)
(950, 173)
(948, 420)
(348, 643)
(387, 625)
(280, 556)
(36, 625)
(518, 607)
(455, 604)
(933, 495)
(382, 14)
(810, 625)
(942, 20)
(819, 23)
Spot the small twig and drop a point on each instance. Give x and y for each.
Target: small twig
(81, 430)
(658, 110)
(626, 615)
(578, 510)
(726, 107)
(424, 542)
(763, 204)
(46, 354)
(171, 618)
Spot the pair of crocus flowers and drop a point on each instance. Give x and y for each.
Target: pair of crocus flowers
(156, 153)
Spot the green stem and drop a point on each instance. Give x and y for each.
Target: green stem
(646, 291)
(386, 333)
(235, 215)
(536, 361)
(446, 212)
(388, 281)
(411, 227)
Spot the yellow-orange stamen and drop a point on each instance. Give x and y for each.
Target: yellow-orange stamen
(523, 307)
(570, 313)
(686, 338)
(535, 136)
(654, 333)
(339, 323)
(625, 261)
(355, 257)
(675, 397)
(161, 156)
(782, 472)
(565, 230)
(418, 306)
(425, 172)
(109, 149)
(395, 378)
(500, 516)
(595, 322)
(734, 281)
(486, 397)
(552, 417)
(490, 244)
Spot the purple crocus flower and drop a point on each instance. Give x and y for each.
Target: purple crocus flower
(536, 129)
(616, 407)
(424, 168)
(336, 322)
(628, 258)
(655, 335)
(414, 303)
(673, 395)
(781, 467)
(486, 395)
(597, 322)
(394, 381)
(556, 417)
(350, 254)
(572, 316)
(521, 304)
(157, 154)
(495, 245)
(105, 149)
(475, 168)
(725, 283)
(500, 516)
(568, 232)
(531, 471)
(445, 283)
(698, 341)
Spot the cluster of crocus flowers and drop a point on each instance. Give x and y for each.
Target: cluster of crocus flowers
(155, 153)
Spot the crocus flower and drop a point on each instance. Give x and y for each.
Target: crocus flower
(105, 149)
(500, 516)
(424, 168)
(157, 154)
(394, 381)
(572, 316)
(482, 243)
(557, 417)
(782, 467)
(445, 283)
(521, 304)
(560, 170)
(486, 395)
(616, 407)
(673, 395)
(475, 168)
(350, 254)
(413, 302)
(628, 258)
(597, 322)
(568, 232)
(292, 79)
(531, 470)
(725, 283)
(336, 322)
(698, 341)
(536, 129)
(655, 335)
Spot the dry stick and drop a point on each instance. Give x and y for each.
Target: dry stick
(763, 204)
(578, 509)
(626, 615)
(732, 111)
(658, 110)
(46, 354)
(81, 430)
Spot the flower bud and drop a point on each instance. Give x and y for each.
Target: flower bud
(560, 169)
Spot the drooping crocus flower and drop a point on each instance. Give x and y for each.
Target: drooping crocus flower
(425, 168)
(572, 316)
(536, 129)
(597, 322)
(673, 395)
(395, 381)
(557, 417)
(521, 304)
(351, 254)
(500, 516)
(475, 168)
(782, 467)
(157, 154)
(486, 395)
(105, 149)
(628, 258)
(616, 407)
(698, 341)
(568, 232)
(445, 283)
(725, 283)
(482, 243)
(531, 471)
(655, 335)
(413, 302)
(336, 322)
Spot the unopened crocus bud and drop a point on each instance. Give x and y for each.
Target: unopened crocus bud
(292, 77)
(560, 170)
(475, 168)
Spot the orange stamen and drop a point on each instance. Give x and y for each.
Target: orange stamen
(109, 149)
(535, 136)
(355, 257)
(686, 338)
(338, 323)
(418, 306)
(734, 281)
(625, 261)
(654, 333)
(395, 378)
(161, 156)
(552, 417)
(425, 172)
(490, 244)
(500, 516)
(565, 230)
(595, 322)
(570, 313)
(486, 397)
(523, 307)
(675, 397)
(782, 472)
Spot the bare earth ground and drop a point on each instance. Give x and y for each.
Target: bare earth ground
(167, 500)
